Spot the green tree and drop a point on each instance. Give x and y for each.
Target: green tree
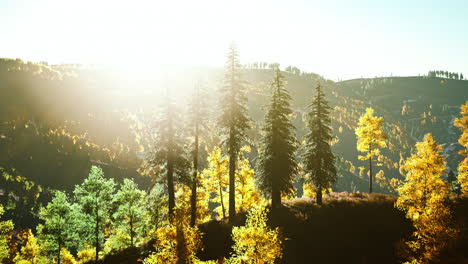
(5, 228)
(319, 161)
(170, 149)
(234, 119)
(277, 165)
(370, 137)
(94, 196)
(131, 211)
(56, 230)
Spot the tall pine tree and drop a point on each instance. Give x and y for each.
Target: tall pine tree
(169, 154)
(234, 119)
(319, 161)
(198, 113)
(277, 164)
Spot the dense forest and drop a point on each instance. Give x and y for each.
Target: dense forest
(249, 163)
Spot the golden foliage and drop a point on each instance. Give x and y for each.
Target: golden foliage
(422, 196)
(67, 257)
(86, 254)
(370, 135)
(310, 190)
(31, 252)
(176, 243)
(255, 242)
(462, 123)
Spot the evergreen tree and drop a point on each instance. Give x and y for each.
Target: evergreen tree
(170, 149)
(198, 113)
(56, 232)
(131, 211)
(423, 196)
(277, 165)
(370, 138)
(462, 123)
(319, 161)
(234, 120)
(94, 196)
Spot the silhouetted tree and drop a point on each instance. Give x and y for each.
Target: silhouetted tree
(319, 160)
(234, 119)
(277, 165)
(170, 149)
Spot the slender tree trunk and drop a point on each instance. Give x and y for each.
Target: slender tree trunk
(232, 187)
(131, 231)
(59, 249)
(275, 197)
(170, 188)
(97, 232)
(370, 174)
(318, 195)
(221, 197)
(193, 200)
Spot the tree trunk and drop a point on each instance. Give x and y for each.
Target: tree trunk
(370, 174)
(275, 198)
(170, 188)
(97, 233)
(222, 202)
(59, 249)
(193, 200)
(318, 195)
(232, 186)
(131, 231)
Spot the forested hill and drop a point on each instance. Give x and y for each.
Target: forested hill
(56, 121)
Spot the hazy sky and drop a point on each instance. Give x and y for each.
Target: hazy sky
(337, 39)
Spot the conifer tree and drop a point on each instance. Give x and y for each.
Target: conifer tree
(94, 196)
(170, 149)
(56, 230)
(277, 165)
(131, 213)
(319, 161)
(422, 197)
(370, 137)
(198, 113)
(462, 123)
(234, 119)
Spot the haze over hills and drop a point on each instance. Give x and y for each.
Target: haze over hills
(66, 116)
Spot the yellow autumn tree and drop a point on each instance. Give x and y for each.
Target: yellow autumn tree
(422, 197)
(177, 242)
(255, 242)
(183, 196)
(462, 123)
(31, 252)
(246, 194)
(370, 138)
(215, 180)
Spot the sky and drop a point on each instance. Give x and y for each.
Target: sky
(337, 39)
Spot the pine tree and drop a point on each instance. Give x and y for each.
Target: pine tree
(422, 196)
(234, 120)
(94, 196)
(58, 219)
(370, 138)
(319, 160)
(131, 213)
(462, 123)
(170, 149)
(198, 116)
(277, 165)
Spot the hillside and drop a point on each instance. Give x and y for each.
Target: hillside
(57, 121)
